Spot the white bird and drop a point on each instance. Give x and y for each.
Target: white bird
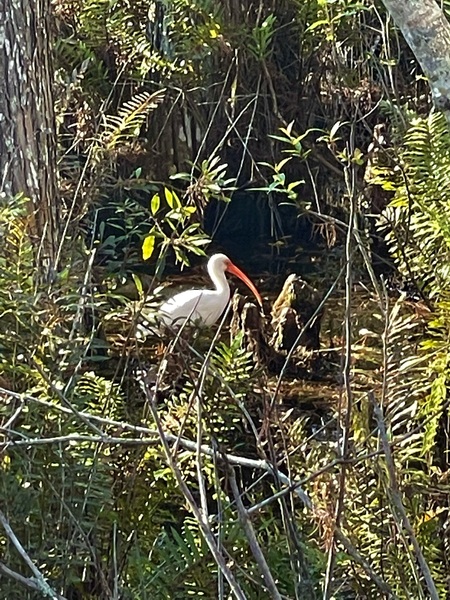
(204, 307)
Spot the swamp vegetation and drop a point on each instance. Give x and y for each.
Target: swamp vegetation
(300, 456)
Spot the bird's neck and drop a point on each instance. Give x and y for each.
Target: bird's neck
(220, 283)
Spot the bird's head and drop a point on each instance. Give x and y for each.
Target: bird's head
(219, 263)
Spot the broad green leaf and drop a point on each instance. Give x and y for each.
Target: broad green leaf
(148, 246)
(172, 199)
(154, 204)
(294, 184)
(169, 197)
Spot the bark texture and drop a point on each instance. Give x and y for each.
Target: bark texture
(27, 120)
(427, 32)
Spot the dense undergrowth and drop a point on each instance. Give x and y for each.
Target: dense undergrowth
(141, 468)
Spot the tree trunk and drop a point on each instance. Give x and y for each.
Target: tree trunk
(27, 120)
(427, 32)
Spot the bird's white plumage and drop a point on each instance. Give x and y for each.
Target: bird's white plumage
(204, 307)
(198, 306)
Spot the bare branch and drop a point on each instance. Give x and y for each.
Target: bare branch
(253, 542)
(40, 582)
(28, 582)
(202, 522)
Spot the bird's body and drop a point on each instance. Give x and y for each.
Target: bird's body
(204, 307)
(198, 306)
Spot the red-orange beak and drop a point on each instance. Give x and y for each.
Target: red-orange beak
(243, 277)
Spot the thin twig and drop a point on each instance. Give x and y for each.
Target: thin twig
(9, 423)
(201, 383)
(229, 459)
(29, 582)
(351, 550)
(251, 537)
(203, 524)
(40, 581)
(63, 398)
(346, 370)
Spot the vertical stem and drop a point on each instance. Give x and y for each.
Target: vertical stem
(253, 542)
(202, 522)
(345, 423)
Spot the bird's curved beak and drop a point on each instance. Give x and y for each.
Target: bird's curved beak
(243, 277)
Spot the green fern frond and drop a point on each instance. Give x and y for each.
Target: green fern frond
(417, 222)
(130, 118)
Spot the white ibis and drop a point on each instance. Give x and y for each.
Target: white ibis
(204, 307)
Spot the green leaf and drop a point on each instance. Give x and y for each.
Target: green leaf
(148, 246)
(138, 284)
(169, 197)
(155, 203)
(281, 164)
(174, 215)
(182, 176)
(317, 24)
(172, 199)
